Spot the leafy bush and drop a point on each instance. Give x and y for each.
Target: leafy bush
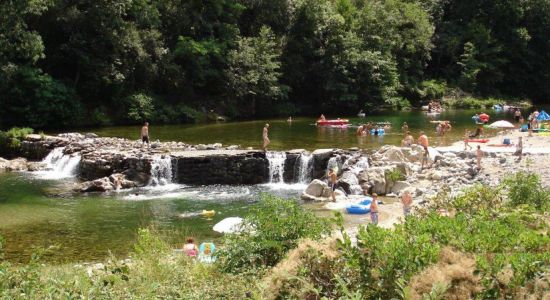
(526, 188)
(433, 89)
(10, 141)
(272, 228)
(473, 103)
(140, 107)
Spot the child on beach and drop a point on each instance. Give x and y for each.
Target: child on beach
(190, 248)
(374, 209)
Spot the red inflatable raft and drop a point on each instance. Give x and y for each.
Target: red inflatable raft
(478, 141)
(338, 122)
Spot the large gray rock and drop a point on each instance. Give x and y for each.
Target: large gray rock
(316, 188)
(399, 186)
(395, 154)
(98, 185)
(320, 160)
(120, 181)
(347, 180)
(373, 180)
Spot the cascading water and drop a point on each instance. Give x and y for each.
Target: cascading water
(60, 165)
(161, 171)
(304, 168)
(276, 166)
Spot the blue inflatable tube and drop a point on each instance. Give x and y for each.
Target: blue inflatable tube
(381, 131)
(360, 209)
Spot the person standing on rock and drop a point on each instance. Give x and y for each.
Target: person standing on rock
(423, 141)
(406, 200)
(333, 183)
(479, 156)
(145, 134)
(374, 209)
(266, 137)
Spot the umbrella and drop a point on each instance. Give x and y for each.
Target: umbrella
(543, 116)
(228, 225)
(502, 124)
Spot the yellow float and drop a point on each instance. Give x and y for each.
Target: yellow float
(208, 213)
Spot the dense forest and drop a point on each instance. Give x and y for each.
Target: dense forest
(100, 62)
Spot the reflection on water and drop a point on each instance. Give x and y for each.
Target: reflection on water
(303, 134)
(43, 213)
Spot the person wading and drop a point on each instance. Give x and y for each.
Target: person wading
(374, 209)
(265, 136)
(145, 134)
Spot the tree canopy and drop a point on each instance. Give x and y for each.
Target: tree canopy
(96, 62)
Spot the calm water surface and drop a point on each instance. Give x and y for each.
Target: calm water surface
(37, 213)
(303, 134)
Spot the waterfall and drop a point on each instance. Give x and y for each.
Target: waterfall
(276, 166)
(304, 168)
(60, 165)
(161, 170)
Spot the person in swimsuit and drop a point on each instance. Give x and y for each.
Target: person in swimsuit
(190, 248)
(265, 137)
(517, 115)
(145, 134)
(405, 127)
(406, 200)
(374, 209)
(333, 183)
(479, 156)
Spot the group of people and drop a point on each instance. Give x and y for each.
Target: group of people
(434, 106)
(371, 128)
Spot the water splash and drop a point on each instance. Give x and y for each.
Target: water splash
(304, 168)
(60, 165)
(276, 166)
(161, 171)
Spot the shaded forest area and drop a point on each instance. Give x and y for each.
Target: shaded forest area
(101, 62)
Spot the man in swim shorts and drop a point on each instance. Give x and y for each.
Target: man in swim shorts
(333, 183)
(145, 134)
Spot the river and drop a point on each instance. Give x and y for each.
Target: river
(40, 211)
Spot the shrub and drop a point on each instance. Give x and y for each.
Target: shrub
(433, 89)
(272, 228)
(10, 141)
(140, 107)
(526, 188)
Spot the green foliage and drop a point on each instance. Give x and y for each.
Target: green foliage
(433, 89)
(32, 98)
(526, 189)
(10, 141)
(254, 70)
(271, 229)
(473, 103)
(394, 175)
(140, 107)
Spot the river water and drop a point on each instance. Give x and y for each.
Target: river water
(38, 210)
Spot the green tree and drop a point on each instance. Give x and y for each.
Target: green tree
(254, 71)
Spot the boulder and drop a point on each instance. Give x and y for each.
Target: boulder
(98, 185)
(339, 195)
(17, 164)
(35, 166)
(395, 154)
(374, 179)
(90, 135)
(121, 182)
(347, 180)
(33, 137)
(316, 188)
(320, 160)
(400, 186)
